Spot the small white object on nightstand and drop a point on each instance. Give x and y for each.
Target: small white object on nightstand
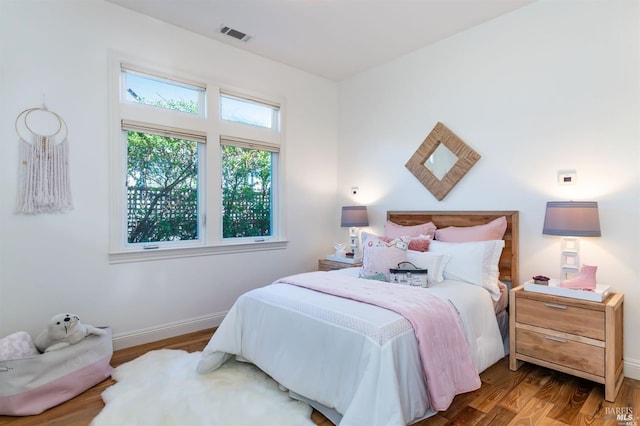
(340, 251)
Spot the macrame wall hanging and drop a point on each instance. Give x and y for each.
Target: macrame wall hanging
(43, 175)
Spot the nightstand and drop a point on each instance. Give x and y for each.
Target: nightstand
(577, 337)
(332, 265)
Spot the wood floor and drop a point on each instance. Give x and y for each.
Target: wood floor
(530, 396)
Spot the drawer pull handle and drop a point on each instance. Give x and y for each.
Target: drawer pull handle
(553, 305)
(556, 339)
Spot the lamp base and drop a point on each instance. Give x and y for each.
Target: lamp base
(570, 257)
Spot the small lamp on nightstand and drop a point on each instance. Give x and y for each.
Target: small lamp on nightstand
(571, 219)
(354, 217)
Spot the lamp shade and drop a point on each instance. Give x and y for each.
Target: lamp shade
(354, 216)
(572, 219)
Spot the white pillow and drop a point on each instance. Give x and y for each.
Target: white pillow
(473, 262)
(433, 262)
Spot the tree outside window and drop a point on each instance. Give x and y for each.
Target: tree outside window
(246, 192)
(162, 188)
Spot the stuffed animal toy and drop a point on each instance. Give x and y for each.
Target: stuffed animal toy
(64, 330)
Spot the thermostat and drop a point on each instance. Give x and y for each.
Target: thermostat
(567, 177)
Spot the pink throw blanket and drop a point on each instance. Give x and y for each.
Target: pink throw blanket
(447, 362)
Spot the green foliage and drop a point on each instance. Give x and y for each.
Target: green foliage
(162, 176)
(246, 192)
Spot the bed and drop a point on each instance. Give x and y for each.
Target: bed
(360, 363)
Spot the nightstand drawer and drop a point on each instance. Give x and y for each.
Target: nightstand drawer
(561, 317)
(565, 352)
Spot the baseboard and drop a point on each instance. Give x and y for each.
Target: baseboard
(632, 368)
(165, 331)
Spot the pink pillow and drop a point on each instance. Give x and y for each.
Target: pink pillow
(379, 256)
(393, 230)
(419, 244)
(493, 230)
(17, 345)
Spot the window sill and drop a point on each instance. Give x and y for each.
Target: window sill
(175, 253)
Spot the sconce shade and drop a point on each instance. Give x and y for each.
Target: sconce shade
(354, 216)
(572, 219)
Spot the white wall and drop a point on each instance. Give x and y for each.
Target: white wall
(549, 87)
(58, 263)
(552, 86)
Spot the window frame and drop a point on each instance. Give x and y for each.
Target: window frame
(210, 186)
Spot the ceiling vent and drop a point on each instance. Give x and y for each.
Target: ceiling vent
(238, 35)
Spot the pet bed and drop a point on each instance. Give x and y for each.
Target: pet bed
(31, 385)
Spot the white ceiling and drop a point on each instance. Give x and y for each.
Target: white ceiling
(331, 38)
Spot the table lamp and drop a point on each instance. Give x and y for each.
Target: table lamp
(354, 217)
(571, 220)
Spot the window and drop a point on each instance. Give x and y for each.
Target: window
(247, 170)
(162, 93)
(182, 193)
(247, 111)
(162, 187)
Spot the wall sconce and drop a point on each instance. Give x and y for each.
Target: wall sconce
(354, 217)
(571, 219)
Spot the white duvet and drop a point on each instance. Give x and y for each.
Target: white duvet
(359, 360)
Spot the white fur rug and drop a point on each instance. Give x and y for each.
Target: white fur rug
(163, 388)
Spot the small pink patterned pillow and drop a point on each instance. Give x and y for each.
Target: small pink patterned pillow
(393, 230)
(420, 243)
(17, 345)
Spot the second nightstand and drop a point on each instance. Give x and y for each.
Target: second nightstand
(331, 265)
(574, 336)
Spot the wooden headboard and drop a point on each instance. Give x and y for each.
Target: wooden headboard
(509, 258)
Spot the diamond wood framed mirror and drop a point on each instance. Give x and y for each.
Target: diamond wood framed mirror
(441, 161)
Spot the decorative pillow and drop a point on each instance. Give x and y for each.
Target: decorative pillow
(433, 262)
(379, 256)
(493, 230)
(419, 243)
(393, 230)
(365, 237)
(472, 262)
(17, 345)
